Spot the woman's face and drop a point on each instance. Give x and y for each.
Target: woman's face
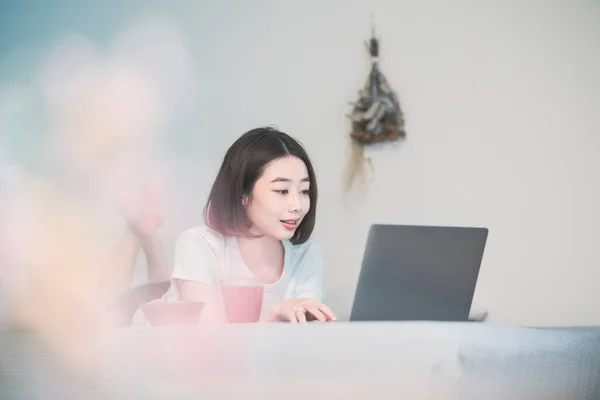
(280, 199)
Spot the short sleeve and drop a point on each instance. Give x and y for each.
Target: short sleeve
(194, 259)
(310, 278)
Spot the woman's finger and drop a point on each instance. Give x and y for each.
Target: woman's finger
(288, 316)
(300, 316)
(316, 312)
(327, 311)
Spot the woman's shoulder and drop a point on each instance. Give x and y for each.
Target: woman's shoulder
(201, 235)
(310, 248)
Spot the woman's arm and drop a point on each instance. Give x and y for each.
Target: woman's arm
(158, 267)
(144, 218)
(195, 272)
(123, 260)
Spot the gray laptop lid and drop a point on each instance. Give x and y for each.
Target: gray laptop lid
(418, 273)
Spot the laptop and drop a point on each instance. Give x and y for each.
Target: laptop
(417, 273)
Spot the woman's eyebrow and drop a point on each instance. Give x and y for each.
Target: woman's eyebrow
(279, 179)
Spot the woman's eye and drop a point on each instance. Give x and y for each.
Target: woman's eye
(306, 192)
(284, 191)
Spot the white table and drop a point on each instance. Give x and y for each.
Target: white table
(417, 360)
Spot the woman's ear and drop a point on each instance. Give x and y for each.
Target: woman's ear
(245, 200)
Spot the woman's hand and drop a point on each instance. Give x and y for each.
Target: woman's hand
(296, 310)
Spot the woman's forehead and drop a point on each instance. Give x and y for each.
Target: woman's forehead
(286, 168)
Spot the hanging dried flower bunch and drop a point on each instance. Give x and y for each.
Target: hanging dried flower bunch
(376, 116)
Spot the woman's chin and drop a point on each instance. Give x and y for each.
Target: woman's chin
(284, 235)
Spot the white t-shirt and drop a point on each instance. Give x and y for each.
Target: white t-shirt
(203, 255)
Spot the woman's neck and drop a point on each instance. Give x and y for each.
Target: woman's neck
(264, 257)
(262, 243)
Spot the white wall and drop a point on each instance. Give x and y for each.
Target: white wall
(500, 102)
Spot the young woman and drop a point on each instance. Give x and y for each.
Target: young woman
(258, 224)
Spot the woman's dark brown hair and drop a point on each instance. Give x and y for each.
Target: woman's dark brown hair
(243, 165)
